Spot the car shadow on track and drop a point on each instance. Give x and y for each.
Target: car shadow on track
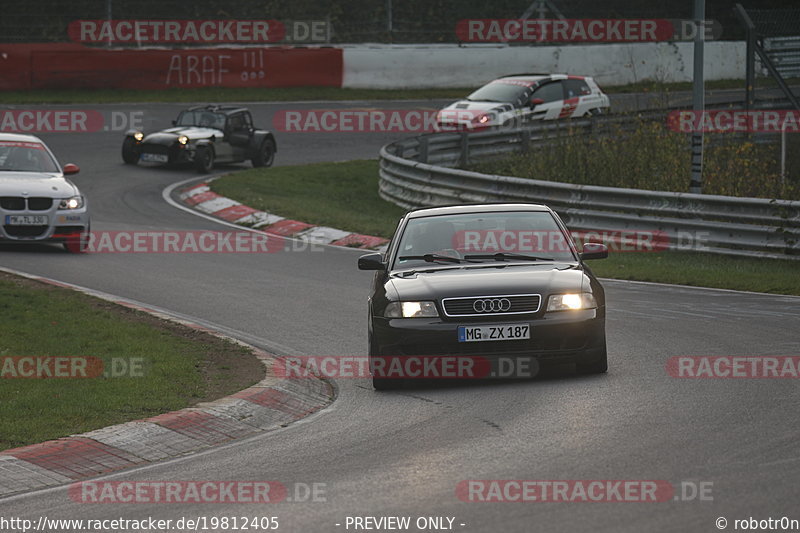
(33, 247)
(551, 373)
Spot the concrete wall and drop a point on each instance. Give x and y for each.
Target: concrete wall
(70, 65)
(73, 66)
(407, 67)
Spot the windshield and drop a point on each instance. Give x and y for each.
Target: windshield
(204, 119)
(500, 91)
(25, 157)
(510, 236)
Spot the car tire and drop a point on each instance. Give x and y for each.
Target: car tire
(204, 159)
(382, 384)
(265, 155)
(596, 112)
(599, 366)
(511, 124)
(129, 153)
(78, 245)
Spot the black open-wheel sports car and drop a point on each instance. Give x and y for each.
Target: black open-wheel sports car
(202, 136)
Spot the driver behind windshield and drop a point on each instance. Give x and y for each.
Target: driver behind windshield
(25, 159)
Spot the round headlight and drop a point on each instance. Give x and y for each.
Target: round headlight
(138, 136)
(183, 139)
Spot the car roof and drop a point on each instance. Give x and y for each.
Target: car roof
(215, 108)
(535, 78)
(474, 208)
(22, 137)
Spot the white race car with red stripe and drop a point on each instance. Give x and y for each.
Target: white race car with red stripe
(512, 100)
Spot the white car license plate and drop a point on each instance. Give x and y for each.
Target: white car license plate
(155, 158)
(27, 220)
(498, 332)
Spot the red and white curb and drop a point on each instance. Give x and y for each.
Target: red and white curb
(270, 404)
(203, 199)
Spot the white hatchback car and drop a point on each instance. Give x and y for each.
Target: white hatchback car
(512, 100)
(37, 203)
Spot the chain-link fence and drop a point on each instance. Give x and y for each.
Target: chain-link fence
(776, 22)
(356, 21)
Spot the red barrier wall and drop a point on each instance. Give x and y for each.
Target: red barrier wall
(72, 66)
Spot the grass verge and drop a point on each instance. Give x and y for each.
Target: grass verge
(160, 366)
(339, 195)
(703, 270)
(345, 196)
(652, 157)
(257, 94)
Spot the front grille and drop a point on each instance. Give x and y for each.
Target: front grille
(25, 231)
(155, 149)
(12, 203)
(40, 203)
(17, 203)
(492, 305)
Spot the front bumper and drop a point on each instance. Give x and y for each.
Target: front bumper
(61, 226)
(175, 152)
(562, 337)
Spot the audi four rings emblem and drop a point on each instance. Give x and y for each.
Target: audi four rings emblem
(493, 305)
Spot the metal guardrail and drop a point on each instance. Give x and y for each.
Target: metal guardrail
(785, 54)
(418, 172)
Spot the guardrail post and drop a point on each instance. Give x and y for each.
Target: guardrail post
(463, 159)
(525, 138)
(423, 149)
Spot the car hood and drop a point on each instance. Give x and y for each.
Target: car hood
(512, 278)
(36, 184)
(470, 109)
(194, 133)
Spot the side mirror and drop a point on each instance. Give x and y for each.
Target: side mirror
(70, 168)
(174, 122)
(535, 102)
(371, 262)
(594, 250)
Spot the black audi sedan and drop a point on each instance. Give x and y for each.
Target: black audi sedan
(475, 290)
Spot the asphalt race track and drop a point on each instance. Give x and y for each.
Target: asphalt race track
(403, 453)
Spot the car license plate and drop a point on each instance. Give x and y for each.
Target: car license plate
(498, 332)
(155, 158)
(27, 220)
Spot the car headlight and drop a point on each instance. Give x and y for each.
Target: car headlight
(75, 202)
(569, 302)
(138, 136)
(411, 310)
(483, 119)
(183, 139)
